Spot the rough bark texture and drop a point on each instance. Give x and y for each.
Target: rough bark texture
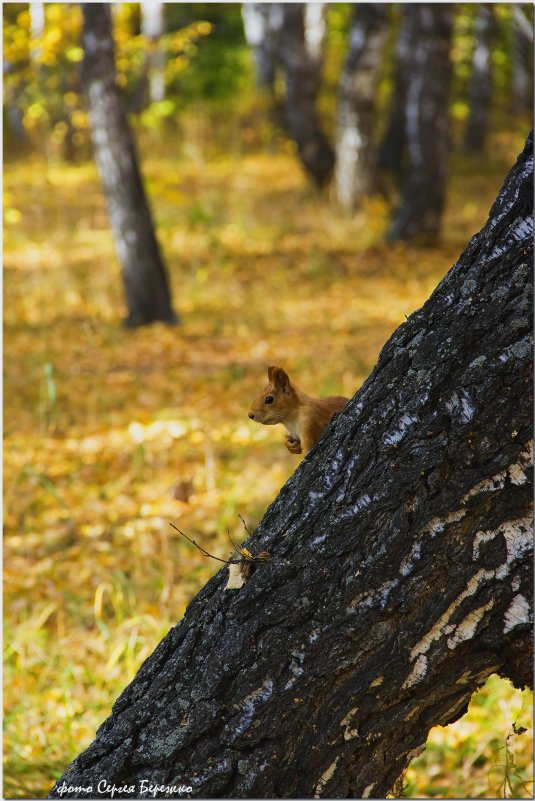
(356, 154)
(426, 121)
(480, 87)
(301, 58)
(400, 576)
(147, 291)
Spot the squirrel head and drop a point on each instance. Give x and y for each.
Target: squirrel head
(278, 402)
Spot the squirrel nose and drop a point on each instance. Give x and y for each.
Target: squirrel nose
(251, 415)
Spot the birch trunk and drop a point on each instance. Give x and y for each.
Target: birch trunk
(262, 23)
(152, 28)
(480, 87)
(301, 54)
(144, 277)
(522, 83)
(356, 156)
(426, 122)
(392, 147)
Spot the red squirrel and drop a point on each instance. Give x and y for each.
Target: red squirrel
(303, 417)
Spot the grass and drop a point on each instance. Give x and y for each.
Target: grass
(109, 435)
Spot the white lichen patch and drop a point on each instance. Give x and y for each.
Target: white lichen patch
(518, 350)
(314, 635)
(349, 733)
(466, 629)
(318, 540)
(517, 613)
(362, 503)
(465, 678)
(480, 538)
(378, 597)
(516, 471)
(517, 475)
(385, 591)
(518, 536)
(526, 457)
(408, 563)
(402, 427)
(249, 706)
(417, 673)
(442, 626)
(518, 540)
(435, 526)
(438, 524)
(487, 485)
(459, 406)
(366, 793)
(325, 777)
(416, 752)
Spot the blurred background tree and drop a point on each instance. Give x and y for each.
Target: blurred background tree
(176, 56)
(356, 146)
(143, 271)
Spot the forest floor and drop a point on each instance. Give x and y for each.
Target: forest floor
(111, 435)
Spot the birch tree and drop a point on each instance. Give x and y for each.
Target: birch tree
(262, 23)
(301, 54)
(143, 271)
(429, 29)
(480, 86)
(356, 151)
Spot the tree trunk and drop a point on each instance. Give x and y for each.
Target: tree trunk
(301, 54)
(262, 24)
(152, 28)
(522, 83)
(144, 277)
(426, 122)
(392, 146)
(400, 576)
(480, 87)
(356, 155)
(37, 28)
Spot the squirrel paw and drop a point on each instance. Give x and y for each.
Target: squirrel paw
(293, 444)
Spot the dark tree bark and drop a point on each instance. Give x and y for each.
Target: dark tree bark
(301, 58)
(356, 152)
(392, 146)
(145, 281)
(480, 86)
(426, 122)
(400, 576)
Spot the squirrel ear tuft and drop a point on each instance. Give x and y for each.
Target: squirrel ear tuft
(280, 379)
(271, 370)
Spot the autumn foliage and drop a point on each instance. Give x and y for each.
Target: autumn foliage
(111, 435)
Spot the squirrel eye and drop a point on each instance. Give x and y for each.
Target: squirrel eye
(269, 399)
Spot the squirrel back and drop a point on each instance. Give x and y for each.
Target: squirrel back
(303, 417)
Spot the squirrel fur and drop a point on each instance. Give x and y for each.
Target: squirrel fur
(303, 417)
